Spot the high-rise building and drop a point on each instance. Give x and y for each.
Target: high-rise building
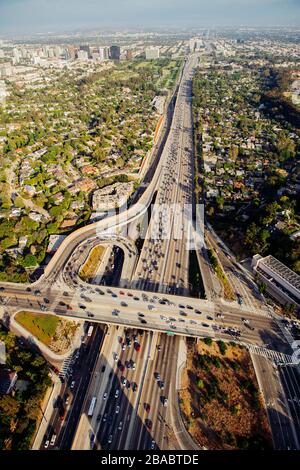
(5, 70)
(115, 52)
(104, 53)
(152, 53)
(16, 56)
(82, 55)
(86, 48)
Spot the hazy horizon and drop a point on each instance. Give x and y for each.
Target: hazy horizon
(33, 16)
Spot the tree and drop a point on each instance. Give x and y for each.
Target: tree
(262, 287)
(30, 261)
(9, 406)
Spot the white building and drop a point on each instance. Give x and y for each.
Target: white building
(103, 53)
(111, 196)
(282, 283)
(3, 91)
(6, 70)
(82, 55)
(152, 53)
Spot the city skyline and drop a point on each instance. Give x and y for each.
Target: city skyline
(26, 16)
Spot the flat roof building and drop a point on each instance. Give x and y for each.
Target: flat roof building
(152, 53)
(282, 283)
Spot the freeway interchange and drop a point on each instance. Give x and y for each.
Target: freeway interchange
(151, 299)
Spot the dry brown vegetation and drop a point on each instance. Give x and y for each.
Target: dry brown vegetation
(220, 399)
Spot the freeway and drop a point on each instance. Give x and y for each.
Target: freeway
(163, 270)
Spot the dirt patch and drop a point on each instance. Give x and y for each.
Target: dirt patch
(220, 398)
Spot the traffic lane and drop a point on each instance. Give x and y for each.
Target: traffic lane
(82, 376)
(113, 419)
(140, 359)
(142, 362)
(270, 384)
(264, 332)
(290, 381)
(166, 366)
(259, 336)
(150, 401)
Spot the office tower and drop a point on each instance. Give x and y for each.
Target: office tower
(87, 50)
(115, 52)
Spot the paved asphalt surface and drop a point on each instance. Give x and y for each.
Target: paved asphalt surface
(139, 419)
(82, 367)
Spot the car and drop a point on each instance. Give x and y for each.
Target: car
(147, 407)
(116, 357)
(181, 312)
(137, 347)
(72, 384)
(153, 443)
(151, 307)
(124, 304)
(47, 301)
(189, 307)
(157, 376)
(134, 386)
(120, 426)
(117, 410)
(110, 439)
(161, 385)
(103, 369)
(67, 398)
(91, 315)
(133, 365)
(115, 312)
(197, 311)
(104, 418)
(158, 348)
(117, 393)
(124, 382)
(83, 307)
(123, 347)
(104, 395)
(92, 440)
(165, 401)
(53, 439)
(46, 445)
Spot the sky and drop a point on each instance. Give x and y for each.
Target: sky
(26, 16)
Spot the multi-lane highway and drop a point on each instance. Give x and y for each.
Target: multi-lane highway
(132, 387)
